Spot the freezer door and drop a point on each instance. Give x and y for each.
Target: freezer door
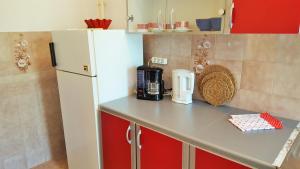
(78, 98)
(74, 51)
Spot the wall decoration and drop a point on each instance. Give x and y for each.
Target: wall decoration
(21, 54)
(201, 58)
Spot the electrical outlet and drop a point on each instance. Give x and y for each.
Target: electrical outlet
(154, 59)
(158, 60)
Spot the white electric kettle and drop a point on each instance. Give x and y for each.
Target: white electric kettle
(183, 86)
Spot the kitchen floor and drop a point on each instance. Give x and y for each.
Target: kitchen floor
(53, 164)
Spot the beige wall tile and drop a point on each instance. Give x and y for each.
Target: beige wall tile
(284, 107)
(181, 46)
(289, 49)
(35, 157)
(31, 136)
(178, 63)
(10, 67)
(40, 59)
(265, 66)
(148, 43)
(9, 110)
(16, 162)
(250, 100)
(6, 57)
(30, 106)
(262, 48)
(258, 76)
(232, 65)
(230, 47)
(287, 80)
(161, 46)
(54, 164)
(10, 144)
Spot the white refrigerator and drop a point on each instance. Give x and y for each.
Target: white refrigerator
(93, 66)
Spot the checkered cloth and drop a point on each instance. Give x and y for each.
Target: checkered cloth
(249, 122)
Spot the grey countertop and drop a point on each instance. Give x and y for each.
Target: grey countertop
(207, 127)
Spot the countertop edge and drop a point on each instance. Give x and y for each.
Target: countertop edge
(245, 160)
(286, 148)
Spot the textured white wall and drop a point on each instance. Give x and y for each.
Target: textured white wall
(45, 15)
(117, 11)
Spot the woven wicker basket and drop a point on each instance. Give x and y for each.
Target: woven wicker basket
(214, 68)
(222, 77)
(216, 85)
(216, 92)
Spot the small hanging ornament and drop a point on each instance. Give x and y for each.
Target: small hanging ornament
(21, 55)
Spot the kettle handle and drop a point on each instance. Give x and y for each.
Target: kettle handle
(190, 87)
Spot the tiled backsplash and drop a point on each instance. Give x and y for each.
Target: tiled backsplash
(30, 118)
(266, 67)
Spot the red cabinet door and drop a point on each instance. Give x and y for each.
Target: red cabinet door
(266, 16)
(159, 151)
(206, 160)
(115, 147)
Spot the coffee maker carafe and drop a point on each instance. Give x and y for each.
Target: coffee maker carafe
(150, 85)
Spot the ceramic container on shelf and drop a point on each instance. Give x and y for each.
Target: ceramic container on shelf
(155, 27)
(170, 27)
(210, 24)
(216, 24)
(203, 24)
(182, 26)
(142, 27)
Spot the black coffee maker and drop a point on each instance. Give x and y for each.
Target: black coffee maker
(150, 85)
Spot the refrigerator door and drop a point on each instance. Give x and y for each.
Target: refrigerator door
(78, 97)
(74, 51)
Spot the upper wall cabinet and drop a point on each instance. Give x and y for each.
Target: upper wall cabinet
(265, 16)
(176, 15)
(190, 10)
(45, 15)
(145, 11)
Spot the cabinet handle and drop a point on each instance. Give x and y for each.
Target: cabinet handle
(131, 18)
(139, 139)
(127, 134)
(231, 19)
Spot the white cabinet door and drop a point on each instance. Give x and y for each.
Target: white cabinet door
(78, 98)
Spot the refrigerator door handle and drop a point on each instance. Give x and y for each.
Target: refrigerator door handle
(52, 53)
